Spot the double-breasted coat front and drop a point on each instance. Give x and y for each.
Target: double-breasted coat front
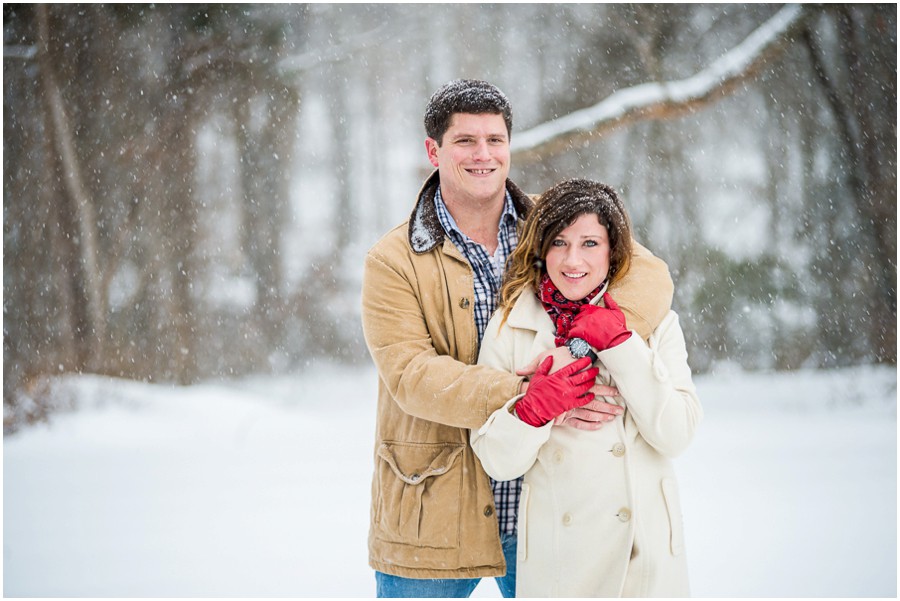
(600, 513)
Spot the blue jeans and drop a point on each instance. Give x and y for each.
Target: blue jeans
(388, 586)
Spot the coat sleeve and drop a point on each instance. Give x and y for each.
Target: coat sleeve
(656, 384)
(506, 446)
(645, 293)
(424, 384)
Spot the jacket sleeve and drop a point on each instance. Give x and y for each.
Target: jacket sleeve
(506, 446)
(427, 385)
(645, 293)
(657, 387)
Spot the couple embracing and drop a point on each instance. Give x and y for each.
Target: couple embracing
(533, 382)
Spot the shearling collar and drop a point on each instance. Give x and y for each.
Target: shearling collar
(425, 231)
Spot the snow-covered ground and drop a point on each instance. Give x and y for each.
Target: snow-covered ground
(261, 488)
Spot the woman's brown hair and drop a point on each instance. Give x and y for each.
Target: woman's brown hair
(555, 210)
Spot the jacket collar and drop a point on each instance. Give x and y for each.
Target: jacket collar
(425, 231)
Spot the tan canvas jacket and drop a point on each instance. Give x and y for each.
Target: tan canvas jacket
(432, 510)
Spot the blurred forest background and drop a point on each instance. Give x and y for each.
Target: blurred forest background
(189, 190)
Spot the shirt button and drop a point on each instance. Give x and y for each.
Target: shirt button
(618, 449)
(488, 511)
(624, 514)
(567, 519)
(557, 456)
(464, 302)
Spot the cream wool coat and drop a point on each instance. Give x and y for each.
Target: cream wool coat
(600, 513)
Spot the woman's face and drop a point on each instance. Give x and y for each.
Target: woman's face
(578, 259)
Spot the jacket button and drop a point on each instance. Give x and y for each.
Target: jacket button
(488, 511)
(464, 302)
(618, 449)
(624, 514)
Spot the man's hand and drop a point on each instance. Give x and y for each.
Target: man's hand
(550, 395)
(561, 358)
(591, 416)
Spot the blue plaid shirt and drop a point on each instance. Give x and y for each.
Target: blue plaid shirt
(488, 272)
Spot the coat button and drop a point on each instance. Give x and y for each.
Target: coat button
(488, 511)
(567, 519)
(618, 449)
(464, 302)
(624, 514)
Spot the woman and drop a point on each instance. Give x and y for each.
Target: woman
(599, 514)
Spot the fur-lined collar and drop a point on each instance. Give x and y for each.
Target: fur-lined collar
(425, 231)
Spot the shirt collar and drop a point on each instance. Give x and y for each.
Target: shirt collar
(508, 218)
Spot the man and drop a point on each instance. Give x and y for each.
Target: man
(438, 523)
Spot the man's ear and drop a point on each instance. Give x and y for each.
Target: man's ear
(431, 147)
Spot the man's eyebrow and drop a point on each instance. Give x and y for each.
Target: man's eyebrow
(470, 135)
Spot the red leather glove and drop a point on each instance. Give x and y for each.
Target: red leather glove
(602, 327)
(548, 395)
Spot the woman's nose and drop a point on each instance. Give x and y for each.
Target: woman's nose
(573, 256)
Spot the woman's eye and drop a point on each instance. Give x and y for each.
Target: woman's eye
(558, 243)
(590, 243)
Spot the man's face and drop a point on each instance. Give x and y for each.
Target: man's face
(473, 160)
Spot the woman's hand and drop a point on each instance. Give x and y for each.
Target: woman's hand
(602, 327)
(561, 358)
(550, 395)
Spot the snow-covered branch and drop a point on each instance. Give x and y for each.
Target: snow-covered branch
(658, 100)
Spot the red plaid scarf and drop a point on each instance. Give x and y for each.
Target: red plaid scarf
(561, 310)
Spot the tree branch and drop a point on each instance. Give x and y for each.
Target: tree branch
(662, 100)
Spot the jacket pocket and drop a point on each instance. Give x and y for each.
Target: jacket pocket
(420, 493)
(522, 525)
(673, 507)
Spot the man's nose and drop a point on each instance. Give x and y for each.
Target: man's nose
(481, 150)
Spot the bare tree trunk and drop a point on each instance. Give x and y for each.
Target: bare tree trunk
(343, 157)
(277, 137)
(181, 241)
(880, 189)
(872, 220)
(64, 146)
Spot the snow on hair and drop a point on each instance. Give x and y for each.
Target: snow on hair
(555, 210)
(562, 204)
(471, 96)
